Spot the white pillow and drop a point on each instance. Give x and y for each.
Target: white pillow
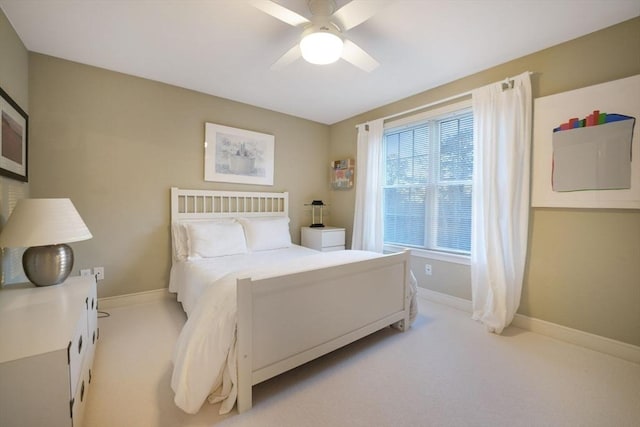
(179, 241)
(266, 233)
(180, 238)
(214, 239)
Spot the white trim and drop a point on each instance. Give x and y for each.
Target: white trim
(462, 109)
(584, 339)
(430, 254)
(440, 101)
(425, 106)
(594, 342)
(133, 299)
(440, 113)
(444, 299)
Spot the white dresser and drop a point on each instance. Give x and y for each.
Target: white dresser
(47, 342)
(323, 239)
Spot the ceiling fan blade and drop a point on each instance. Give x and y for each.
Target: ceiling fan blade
(290, 56)
(356, 12)
(279, 12)
(352, 53)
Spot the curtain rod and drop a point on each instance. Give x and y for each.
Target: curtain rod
(440, 101)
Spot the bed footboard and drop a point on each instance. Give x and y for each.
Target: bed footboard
(286, 321)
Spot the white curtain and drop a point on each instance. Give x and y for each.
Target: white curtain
(367, 221)
(502, 151)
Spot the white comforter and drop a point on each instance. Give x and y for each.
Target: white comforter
(205, 354)
(189, 279)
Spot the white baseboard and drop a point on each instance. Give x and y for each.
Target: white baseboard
(133, 299)
(449, 300)
(574, 336)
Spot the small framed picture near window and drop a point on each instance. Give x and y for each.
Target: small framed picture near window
(237, 155)
(13, 139)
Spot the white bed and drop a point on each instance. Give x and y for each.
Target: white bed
(259, 307)
(190, 278)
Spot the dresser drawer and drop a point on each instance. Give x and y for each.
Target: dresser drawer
(78, 404)
(46, 355)
(92, 317)
(78, 349)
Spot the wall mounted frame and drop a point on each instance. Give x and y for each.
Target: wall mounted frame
(238, 155)
(618, 96)
(13, 139)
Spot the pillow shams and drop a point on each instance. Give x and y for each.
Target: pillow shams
(180, 239)
(266, 233)
(208, 240)
(213, 239)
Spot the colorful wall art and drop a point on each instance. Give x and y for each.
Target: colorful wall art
(593, 153)
(342, 173)
(586, 147)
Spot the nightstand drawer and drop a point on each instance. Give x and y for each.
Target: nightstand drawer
(333, 238)
(333, 248)
(323, 238)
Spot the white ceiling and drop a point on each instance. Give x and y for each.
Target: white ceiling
(226, 47)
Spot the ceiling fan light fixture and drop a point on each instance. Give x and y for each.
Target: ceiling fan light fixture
(321, 47)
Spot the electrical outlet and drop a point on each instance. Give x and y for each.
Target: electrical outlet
(427, 269)
(85, 272)
(99, 272)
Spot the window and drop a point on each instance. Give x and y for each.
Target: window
(428, 166)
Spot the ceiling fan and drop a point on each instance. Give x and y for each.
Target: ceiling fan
(322, 40)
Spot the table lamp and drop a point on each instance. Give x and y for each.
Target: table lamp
(45, 225)
(316, 205)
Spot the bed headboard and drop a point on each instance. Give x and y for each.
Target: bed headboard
(203, 204)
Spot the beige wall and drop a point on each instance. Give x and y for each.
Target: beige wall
(115, 144)
(583, 267)
(14, 66)
(14, 80)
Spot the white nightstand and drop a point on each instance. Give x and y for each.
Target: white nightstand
(323, 239)
(47, 342)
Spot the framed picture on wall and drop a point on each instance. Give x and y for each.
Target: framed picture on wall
(595, 165)
(237, 155)
(13, 139)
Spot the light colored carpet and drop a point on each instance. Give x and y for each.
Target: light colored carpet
(445, 371)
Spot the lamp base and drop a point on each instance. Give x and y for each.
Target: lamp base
(47, 265)
(316, 225)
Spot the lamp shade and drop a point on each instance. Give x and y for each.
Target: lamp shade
(39, 222)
